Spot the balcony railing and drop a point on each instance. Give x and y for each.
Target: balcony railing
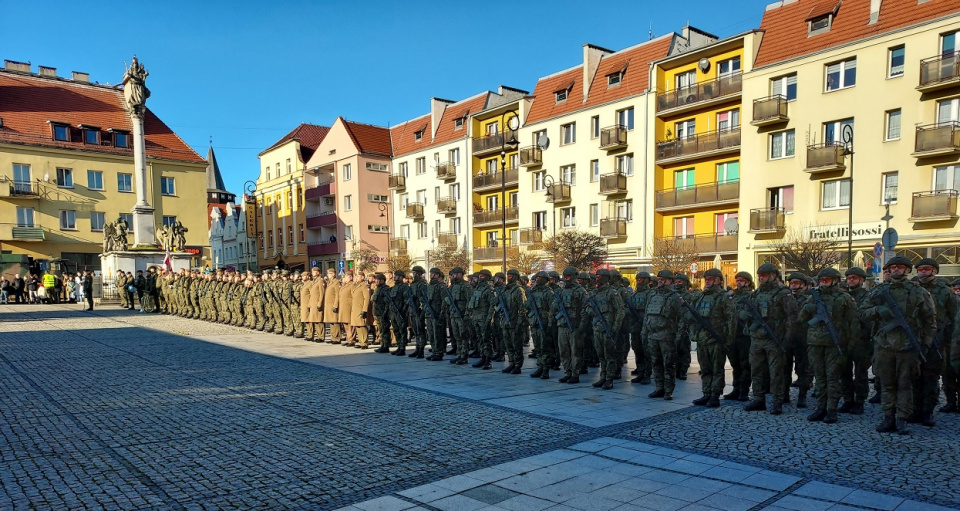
(446, 205)
(767, 220)
(937, 139)
(702, 92)
(613, 137)
(447, 239)
(322, 248)
(21, 189)
(613, 227)
(493, 143)
(825, 158)
(559, 192)
(678, 149)
(397, 182)
(321, 190)
(705, 243)
(446, 171)
(698, 195)
(398, 244)
(611, 184)
(934, 206)
(531, 156)
(484, 182)
(530, 235)
(414, 210)
(488, 253)
(495, 216)
(322, 219)
(770, 110)
(15, 232)
(939, 72)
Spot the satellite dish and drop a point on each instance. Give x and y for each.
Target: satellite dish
(731, 225)
(704, 64)
(543, 141)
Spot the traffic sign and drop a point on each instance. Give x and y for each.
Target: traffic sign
(876, 266)
(890, 238)
(314, 264)
(694, 267)
(340, 265)
(878, 250)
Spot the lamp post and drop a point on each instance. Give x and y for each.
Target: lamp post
(846, 136)
(384, 208)
(504, 143)
(250, 187)
(548, 182)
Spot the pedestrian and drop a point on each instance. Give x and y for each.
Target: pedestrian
(5, 287)
(88, 289)
(436, 325)
(331, 306)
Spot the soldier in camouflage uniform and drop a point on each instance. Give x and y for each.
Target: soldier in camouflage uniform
(509, 309)
(541, 311)
(481, 307)
(636, 304)
(121, 283)
(926, 388)
(588, 353)
(623, 333)
(497, 340)
(828, 336)
(681, 284)
(398, 312)
(604, 309)
(859, 355)
(433, 296)
(772, 309)
(711, 321)
(796, 353)
(570, 300)
(381, 312)
(416, 290)
(293, 306)
(455, 301)
(195, 297)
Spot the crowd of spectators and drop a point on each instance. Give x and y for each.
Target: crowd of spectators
(47, 288)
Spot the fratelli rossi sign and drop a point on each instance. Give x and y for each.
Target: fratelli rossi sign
(862, 231)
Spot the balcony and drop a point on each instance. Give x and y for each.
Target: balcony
(710, 194)
(487, 182)
(770, 110)
(767, 220)
(702, 94)
(487, 254)
(697, 146)
(613, 228)
(934, 206)
(446, 206)
(447, 239)
(321, 219)
(322, 248)
(937, 140)
(491, 144)
(398, 245)
(495, 216)
(614, 137)
(705, 244)
(321, 190)
(20, 190)
(414, 210)
(14, 232)
(939, 72)
(612, 184)
(559, 192)
(446, 171)
(530, 236)
(825, 158)
(397, 182)
(531, 156)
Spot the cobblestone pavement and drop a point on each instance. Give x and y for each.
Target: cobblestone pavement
(118, 410)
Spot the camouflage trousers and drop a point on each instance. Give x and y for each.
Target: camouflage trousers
(641, 354)
(663, 353)
(546, 345)
(854, 380)
(684, 348)
(437, 335)
(766, 368)
(460, 328)
(826, 362)
(513, 343)
(481, 329)
(951, 378)
(738, 353)
(607, 352)
(896, 371)
(400, 332)
(713, 361)
(383, 331)
(926, 385)
(571, 345)
(797, 358)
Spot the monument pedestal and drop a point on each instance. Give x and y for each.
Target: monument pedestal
(133, 260)
(144, 235)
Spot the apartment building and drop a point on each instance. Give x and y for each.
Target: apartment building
(280, 223)
(346, 182)
(431, 179)
(66, 168)
(886, 72)
(696, 172)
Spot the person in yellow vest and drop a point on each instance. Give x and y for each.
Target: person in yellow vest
(50, 282)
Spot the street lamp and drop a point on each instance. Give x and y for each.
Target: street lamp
(385, 212)
(504, 143)
(250, 187)
(548, 182)
(846, 136)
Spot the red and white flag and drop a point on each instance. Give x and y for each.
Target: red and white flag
(166, 262)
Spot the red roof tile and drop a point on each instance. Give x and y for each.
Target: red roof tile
(402, 135)
(369, 139)
(404, 141)
(29, 103)
(786, 26)
(462, 109)
(309, 136)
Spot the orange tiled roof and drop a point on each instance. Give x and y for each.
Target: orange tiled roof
(402, 134)
(786, 26)
(635, 63)
(463, 108)
(309, 136)
(29, 103)
(369, 139)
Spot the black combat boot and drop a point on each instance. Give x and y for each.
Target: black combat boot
(657, 393)
(545, 375)
(419, 353)
(498, 357)
(436, 357)
(635, 371)
(452, 351)
(637, 379)
(915, 418)
(668, 396)
(583, 370)
(777, 408)
(618, 375)
(889, 424)
(802, 398)
(714, 402)
(875, 400)
(599, 383)
(950, 407)
(415, 354)
(474, 354)
(857, 408)
(574, 379)
(533, 353)
(928, 420)
(460, 361)
(700, 401)
(399, 352)
(480, 363)
(733, 394)
(508, 369)
(516, 368)
(564, 379)
(607, 385)
(845, 407)
(537, 373)
(831, 417)
(902, 427)
(757, 405)
(382, 349)
(744, 396)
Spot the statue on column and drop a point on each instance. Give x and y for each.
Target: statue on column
(165, 237)
(179, 236)
(135, 90)
(120, 238)
(109, 232)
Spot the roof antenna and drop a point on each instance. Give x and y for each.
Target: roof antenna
(211, 140)
(650, 32)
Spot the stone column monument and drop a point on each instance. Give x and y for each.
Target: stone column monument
(135, 93)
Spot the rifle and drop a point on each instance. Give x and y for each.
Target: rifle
(563, 312)
(503, 307)
(755, 312)
(703, 322)
(900, 321)
(415, 323)
(637, 315)
(453, 303)
(824, 317)
(592, 300)
(433, 312)
(536, 310)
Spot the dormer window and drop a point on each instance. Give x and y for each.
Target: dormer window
(614, 79)
(418, 136)
(458, 123)
(121, 139)
(820, 24)
(61, 132)
(91, 135)
(561, 95)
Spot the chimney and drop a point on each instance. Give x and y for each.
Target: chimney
(48, 71)
(874, 11)
(437, 107)
(80, 76)
(13, 65)
(591, 61)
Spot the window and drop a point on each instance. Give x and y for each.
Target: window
(267, 171)
(819, 25)
(458, 123)
(568, 217)
(946, 178)
(728, 172)
(127, 218)
(436, 227)
(540, 220)
(169, 221)
(893, 125)
(348, 202)
(686, 129)
(781, 197)
(97, 220)
(728, 67)
(594, 215)
(614, 79)
(720, 223)
(595, 126)
(421, 230)
(405, 231)
(94, 180)
(493, 202)
(594, 171)
(542, 133)
(683, 179)
(728, 120)
(841, 75)
(538, 178)
(513, 160)
(421, 165)
(167, 186)
(121, 139)
(65, 178)
(568, 174)
(68, 220)
(625, 164)
(436, 194)
(568, 133)
(890, 180)
(373, 197)
(303, 236)
(455, 192)
(897, 58)
(625, 210)
(513, 199)
(21, 178)
(833, 131)
(404, 170)
(625, 118)
(290, 198)
(683, 227)
(455, 225)
(124, 182)
(279, 237)
(24, 217)
(785, 86)
(61, 132)
(948, 111)
(278, 169)
(560, 96)
(378, 228)
(948, 43)
(782, 144)
(836, 194)
(685, 79)
(347, 172)
(404, 199)
(492, 238)
(492, 128)
(290, 235)
(289, 166)
(418, 136)
(422, 196)
(91, 136)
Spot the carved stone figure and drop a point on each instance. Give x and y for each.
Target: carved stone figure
(165, 237)
(120, 238)
(109, 231)
(135, 90)
(179, 235)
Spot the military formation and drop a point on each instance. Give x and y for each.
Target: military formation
(829, 330)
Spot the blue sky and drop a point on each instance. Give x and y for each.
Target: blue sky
(246, 73)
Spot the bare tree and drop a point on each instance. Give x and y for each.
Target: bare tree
(364, 257)
(448, 257)
(583, 250)
(674, 254)
(799, 252)
(526, 260)
(399, 260)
